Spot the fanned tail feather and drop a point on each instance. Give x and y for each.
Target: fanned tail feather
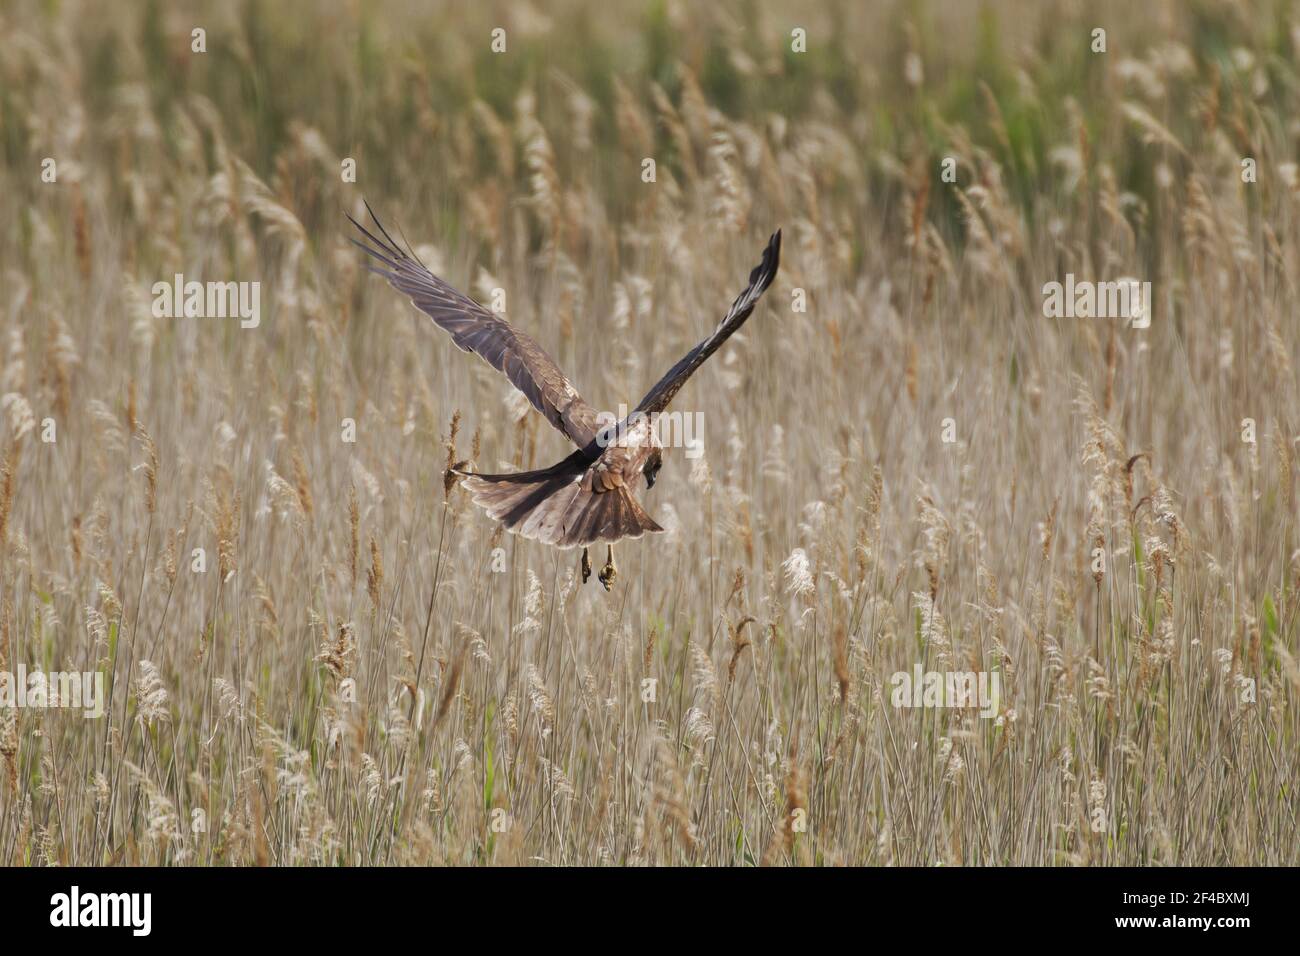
(552, 506)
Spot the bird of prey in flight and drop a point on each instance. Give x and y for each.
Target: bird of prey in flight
(589, 496)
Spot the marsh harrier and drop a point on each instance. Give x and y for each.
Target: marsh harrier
(587, 497)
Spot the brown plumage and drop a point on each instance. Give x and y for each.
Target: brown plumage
(587, 497)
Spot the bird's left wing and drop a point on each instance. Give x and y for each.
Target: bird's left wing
(475, 329)
(657, 399)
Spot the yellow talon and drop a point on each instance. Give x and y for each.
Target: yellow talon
(608, 573)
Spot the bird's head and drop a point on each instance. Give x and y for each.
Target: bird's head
(652, 466)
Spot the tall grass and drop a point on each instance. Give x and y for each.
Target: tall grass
(349, 680)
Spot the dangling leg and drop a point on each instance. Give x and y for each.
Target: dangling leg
(585, 566)
(608, 573)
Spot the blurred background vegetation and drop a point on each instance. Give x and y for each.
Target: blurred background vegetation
(391, 83)
(828, 539)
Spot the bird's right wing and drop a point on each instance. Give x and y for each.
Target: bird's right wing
(475, 329)
(657, 399)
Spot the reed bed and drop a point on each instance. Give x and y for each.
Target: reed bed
(367, 671)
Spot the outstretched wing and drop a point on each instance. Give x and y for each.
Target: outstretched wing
(475, 329)
(657, 399)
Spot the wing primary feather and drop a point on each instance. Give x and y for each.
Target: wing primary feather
(390, 276)
(474, 329)
(380, 226)
(371, 252)
(391, 250)
(411, 249)
(760, 277)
